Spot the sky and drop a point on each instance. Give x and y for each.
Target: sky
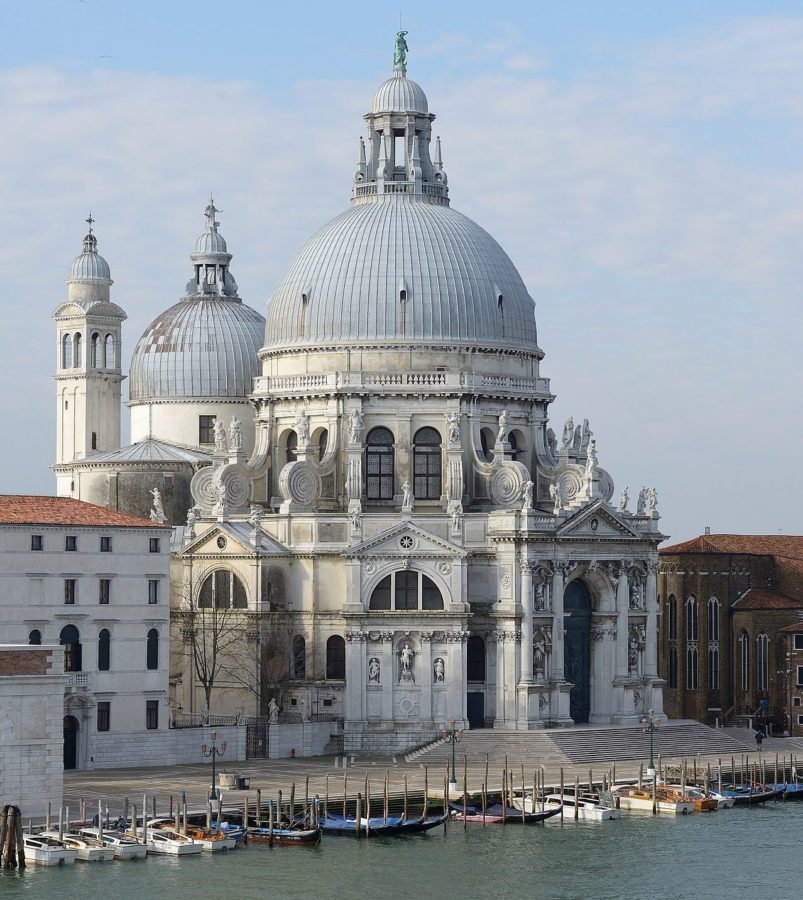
(641, 163)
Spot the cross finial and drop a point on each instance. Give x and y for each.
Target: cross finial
(90, 221)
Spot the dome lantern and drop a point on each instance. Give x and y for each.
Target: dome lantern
(211, 260)
(89, 277)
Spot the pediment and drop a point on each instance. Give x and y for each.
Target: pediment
(232, 539)
(406, 540)
(597, 521)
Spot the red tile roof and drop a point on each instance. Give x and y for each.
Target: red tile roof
(756, 598)
(780, 545)
(22, 509)
(796, 628)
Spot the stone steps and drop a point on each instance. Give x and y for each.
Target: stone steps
(585, 745)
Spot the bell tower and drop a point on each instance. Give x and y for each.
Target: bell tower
(88, 364)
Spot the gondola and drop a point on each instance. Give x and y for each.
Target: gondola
(496, 814)
(379, 826)
(284, 836)
(750, 795)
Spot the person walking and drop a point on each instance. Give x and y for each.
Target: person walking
(759, 738)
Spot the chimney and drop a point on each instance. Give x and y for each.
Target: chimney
(708, 529)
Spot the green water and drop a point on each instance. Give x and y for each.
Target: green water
(729, 853)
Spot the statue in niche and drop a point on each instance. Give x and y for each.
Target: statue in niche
(636, 595)
(407, 496)
(453, 425)
(556, 492)
(406, 657)
(220, 437)
(652, 501)
(374, 670)
(457, 515)
(355, 519)
(568, 431)
(527, 492)
(587, 434)
(539, 657)
(273, 712)
(501, 434)
(641, 505)
(158, 511)
(235, 434)
(632, 655)
(356, 425)
(540, 595)
(302, 429)
(551, 441)
(439, 670)
(624, 497)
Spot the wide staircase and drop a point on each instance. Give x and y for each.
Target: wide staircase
(586, 744)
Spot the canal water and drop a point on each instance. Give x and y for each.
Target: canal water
(729, 853)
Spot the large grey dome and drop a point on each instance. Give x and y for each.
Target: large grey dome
(203, 346)
(460, 286)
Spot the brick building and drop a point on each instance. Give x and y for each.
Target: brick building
(725, 601)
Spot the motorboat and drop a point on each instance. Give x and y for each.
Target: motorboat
(88, 849)
(170, 842)
(633, 798)
(124, 846)
(587, 809)
(703, 801)
(236, 832)
(46, 851)
(211, 839)
(723, 802)
(284, 835)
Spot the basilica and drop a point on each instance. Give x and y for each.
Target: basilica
(367, 480)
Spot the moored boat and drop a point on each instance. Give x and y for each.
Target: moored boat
(87, 849)
(587, 809)
(170, 842)
(496, 814)
(379, 826)
(703, 802)
(211, 839)
(123, 845)
(750, 794)
(289, 837)
(45, 851)
(640, 799)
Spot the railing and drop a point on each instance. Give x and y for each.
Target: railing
(78, 679)
(198, 720)
(331, 382)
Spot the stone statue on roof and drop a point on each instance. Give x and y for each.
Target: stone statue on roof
(400, 51)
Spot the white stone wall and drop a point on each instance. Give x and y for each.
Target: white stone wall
(177, 421)
(173, 747)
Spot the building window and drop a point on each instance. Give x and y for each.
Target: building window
(77, 360)
(104, 650)
(299, 657)
(799, 682)
(799, 642)
(152, 651)
(691, 666)
(71, 542)
(37, 543)
(672, 675)
(35, 637)
(222, 590)
(66, 352)
(94, 440)
(800, 720)
(290, 447)
(206, 429)
(336, 658)
(105, 545)
(475, 658)
(70, 591)
(713, 619)
(713, 666)
(108, 352)
(795, 701)
(71, 642)
(104, 715)
(104, 591)
(153, 590)
(154, 545)
(672, 630)
(762, 662)
(151, 714)
(93, 350)
(409, 590)
(427, 464)
(379, 464)
(691, 619)
(744, 657)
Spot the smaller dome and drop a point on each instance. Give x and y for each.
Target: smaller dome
(90, 266)
(399, 94)
(210, 242)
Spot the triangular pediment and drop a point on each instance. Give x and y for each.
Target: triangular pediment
(232, 539)
(404, 540)
(597, 521)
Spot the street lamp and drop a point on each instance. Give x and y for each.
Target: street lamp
(454, 736)
(648, 724)
(212, 750)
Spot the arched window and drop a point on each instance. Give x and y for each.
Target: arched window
(379, 464)
(152, 650)
(487, 439)
(299, 657)
(713, 644)
(475, 658)
(66, 352)
(744, 659)
(291, 447)
(336, 658)
(427, 464)
(409, 589)
(71, 642)
(762, 662)
(691, 619)
(222, 590)
(691, 666)
(514, 445)
(108, 352)
(77, 346)
(104, 650)
(35, 637)
(672, 626)
(323, 441)
(672, 674)
(713, 619)
(93, 349)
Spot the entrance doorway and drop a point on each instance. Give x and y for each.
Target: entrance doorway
(70, 742)
(577, 648)
(475, 709)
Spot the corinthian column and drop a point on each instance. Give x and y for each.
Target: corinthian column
(557, 626)
(651, 638)
(622, 610)
(526, 645)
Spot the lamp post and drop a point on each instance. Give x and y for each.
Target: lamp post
(648, 724)
(454, 736)
(212, 750)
